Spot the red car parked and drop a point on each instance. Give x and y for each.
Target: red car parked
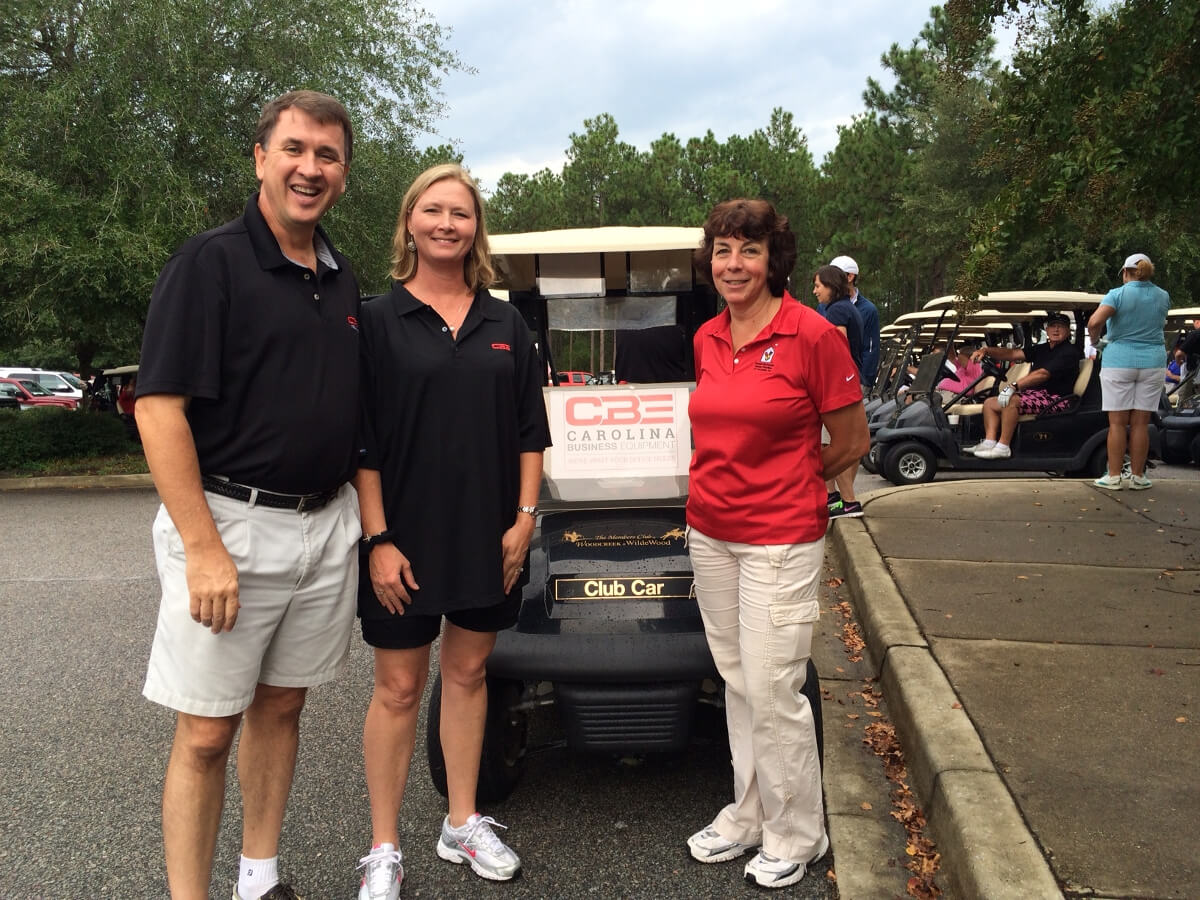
(573, 379)
(29, 394)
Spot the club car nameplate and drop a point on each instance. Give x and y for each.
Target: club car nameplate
(634, 587)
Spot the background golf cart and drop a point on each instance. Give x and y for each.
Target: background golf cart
(609, 630)
(927, 432)
(1181, 405)
(908, 341)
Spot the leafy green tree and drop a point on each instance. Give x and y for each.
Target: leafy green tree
(1096, 136)
(899, 187)
(527, 203)
(126, 127)
(598, 174)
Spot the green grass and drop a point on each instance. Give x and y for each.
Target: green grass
(132, 463)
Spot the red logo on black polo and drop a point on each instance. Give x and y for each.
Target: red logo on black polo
(502, 347)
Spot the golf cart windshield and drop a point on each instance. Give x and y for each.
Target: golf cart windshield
(626, 443)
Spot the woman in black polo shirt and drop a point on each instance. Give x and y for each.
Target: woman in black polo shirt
(454, 427)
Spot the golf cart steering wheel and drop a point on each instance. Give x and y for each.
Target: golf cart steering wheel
(990, 368)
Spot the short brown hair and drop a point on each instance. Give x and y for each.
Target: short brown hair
(477, 265)
(834, 277)
(321, 107)
(752, 220)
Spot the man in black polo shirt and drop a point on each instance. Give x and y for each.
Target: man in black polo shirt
(247, 400)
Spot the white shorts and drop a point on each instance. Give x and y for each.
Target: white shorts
(1124, 389)
(297, 587)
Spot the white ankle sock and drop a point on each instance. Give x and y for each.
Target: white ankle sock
(257, 876)
(1000, 445)
(985, 445)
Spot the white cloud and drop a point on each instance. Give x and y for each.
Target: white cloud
(657, 66)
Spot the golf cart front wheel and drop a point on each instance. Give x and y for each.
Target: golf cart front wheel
(870, 460)
(909, 463)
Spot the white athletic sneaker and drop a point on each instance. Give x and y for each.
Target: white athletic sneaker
(769, 871)
(1109, 482)
(998, 452)
(1139, 483)
(476, 844)
(382, 875)
(982, 445)
(708, 846)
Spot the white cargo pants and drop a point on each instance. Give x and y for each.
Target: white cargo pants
(759, 603)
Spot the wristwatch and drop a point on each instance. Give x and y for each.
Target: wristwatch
(531, 510)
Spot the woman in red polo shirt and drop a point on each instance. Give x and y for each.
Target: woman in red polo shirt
(769, 373)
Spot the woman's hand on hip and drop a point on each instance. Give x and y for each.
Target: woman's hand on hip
(391, 577)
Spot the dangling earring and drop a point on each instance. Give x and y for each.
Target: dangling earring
(411, 245)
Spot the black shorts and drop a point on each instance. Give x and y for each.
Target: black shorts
(409, 631)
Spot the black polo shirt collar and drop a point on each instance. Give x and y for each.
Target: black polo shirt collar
(266, 247)
(406, 304)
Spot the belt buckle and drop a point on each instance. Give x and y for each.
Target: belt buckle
(302, 506)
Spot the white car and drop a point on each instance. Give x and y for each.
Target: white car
(61, 384)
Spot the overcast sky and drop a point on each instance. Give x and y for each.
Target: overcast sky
(679, 66)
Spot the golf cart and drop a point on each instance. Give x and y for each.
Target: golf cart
(1181, 406)
(912, 337)
(928, 431)
(609, 632)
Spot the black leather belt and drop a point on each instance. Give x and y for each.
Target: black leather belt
(297, 502)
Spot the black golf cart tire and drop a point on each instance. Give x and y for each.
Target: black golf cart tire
(1098, 464)
(909, 462)
(868, 464)
(504, 739)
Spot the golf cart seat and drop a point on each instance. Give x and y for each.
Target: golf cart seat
(1015, 371)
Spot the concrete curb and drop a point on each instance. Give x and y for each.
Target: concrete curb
(76, 482)
(987, 850)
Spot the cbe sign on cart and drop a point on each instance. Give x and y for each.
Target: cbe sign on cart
(622, 432)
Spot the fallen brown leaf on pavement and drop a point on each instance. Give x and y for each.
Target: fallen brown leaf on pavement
(865, 805)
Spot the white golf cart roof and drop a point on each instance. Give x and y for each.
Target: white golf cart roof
(610, 239)
(1032, 303)
(1182, 317)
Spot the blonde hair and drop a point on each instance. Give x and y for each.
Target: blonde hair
(1143, 271)
(477, 264)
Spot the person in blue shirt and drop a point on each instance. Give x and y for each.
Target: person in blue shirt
(869, 314)
(1132, 367)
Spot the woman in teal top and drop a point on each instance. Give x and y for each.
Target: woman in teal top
(1132, 368)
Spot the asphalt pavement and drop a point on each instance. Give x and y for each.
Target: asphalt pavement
(84, 753)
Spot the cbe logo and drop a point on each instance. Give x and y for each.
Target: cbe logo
(621, 409)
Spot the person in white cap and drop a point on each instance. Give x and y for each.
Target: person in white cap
(840, 490)
(1132, 367)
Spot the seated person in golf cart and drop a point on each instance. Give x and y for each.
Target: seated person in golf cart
(967, 374)
(1046, 387)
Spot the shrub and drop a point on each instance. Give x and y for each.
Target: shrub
(33, 435)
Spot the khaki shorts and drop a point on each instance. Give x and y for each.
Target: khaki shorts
(297, 582)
